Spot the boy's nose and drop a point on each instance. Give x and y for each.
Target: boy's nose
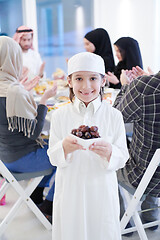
(86, 84)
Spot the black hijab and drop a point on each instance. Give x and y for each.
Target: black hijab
(131, 55)
(100, 38)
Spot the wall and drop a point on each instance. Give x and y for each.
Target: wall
(62, 25)
(134, 18)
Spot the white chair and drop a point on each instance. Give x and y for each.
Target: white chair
(13, 179)
(133, 201)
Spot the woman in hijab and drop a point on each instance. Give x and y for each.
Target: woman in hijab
(98, 42)
(129, 56)
(21, 122)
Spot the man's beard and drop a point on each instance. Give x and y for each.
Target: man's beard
(25, 48)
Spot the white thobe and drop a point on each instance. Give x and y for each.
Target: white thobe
(33, 61)
(86, 203)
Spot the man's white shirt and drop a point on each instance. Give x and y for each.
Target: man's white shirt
(33, 61)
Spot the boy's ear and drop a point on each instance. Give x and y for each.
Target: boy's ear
(104, 81)
(69, 81)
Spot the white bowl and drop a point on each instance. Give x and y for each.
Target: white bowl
(85, 142)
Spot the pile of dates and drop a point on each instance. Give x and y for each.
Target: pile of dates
(86, 132)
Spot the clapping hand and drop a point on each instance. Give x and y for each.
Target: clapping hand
(51, 92)
(25, 71)
(112, 78)
(126, 77)
(41, 71)
(137, 72)
(29, 85)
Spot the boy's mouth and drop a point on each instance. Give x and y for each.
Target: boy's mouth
(86, 93)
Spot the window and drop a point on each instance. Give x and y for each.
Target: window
(61, 27)
(9, 19)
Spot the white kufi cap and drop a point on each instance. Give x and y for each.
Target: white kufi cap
(86, 61)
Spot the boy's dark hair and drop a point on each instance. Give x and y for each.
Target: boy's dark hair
(71, 93)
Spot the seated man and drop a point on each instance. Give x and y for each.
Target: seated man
(31, 59)
(139, 102)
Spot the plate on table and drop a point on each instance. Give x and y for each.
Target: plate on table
(110, 95)
(63, 99)
(56, 105)
(53, 107)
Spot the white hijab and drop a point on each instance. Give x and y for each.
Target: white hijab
(21, 110)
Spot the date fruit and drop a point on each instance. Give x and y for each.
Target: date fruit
(86, 132)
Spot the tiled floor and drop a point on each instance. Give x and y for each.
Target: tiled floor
(26, 226)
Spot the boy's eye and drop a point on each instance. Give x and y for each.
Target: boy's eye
(93, 78)
(78, 79)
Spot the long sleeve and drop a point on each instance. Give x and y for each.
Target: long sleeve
(128, 102)
(111, 127)
(55, 150)
(119, 147)
(84, 180)
(41, 113)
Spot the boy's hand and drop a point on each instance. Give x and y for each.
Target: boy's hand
(102, 148)
(70, 145)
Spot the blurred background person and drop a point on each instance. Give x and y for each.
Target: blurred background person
(129, 56)
(98, 41)
(139, 101)
(32, 61)
(21, 121)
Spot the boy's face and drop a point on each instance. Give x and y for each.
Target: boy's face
(26, 41)
(86, 85)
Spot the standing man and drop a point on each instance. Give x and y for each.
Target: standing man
(31, 59)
